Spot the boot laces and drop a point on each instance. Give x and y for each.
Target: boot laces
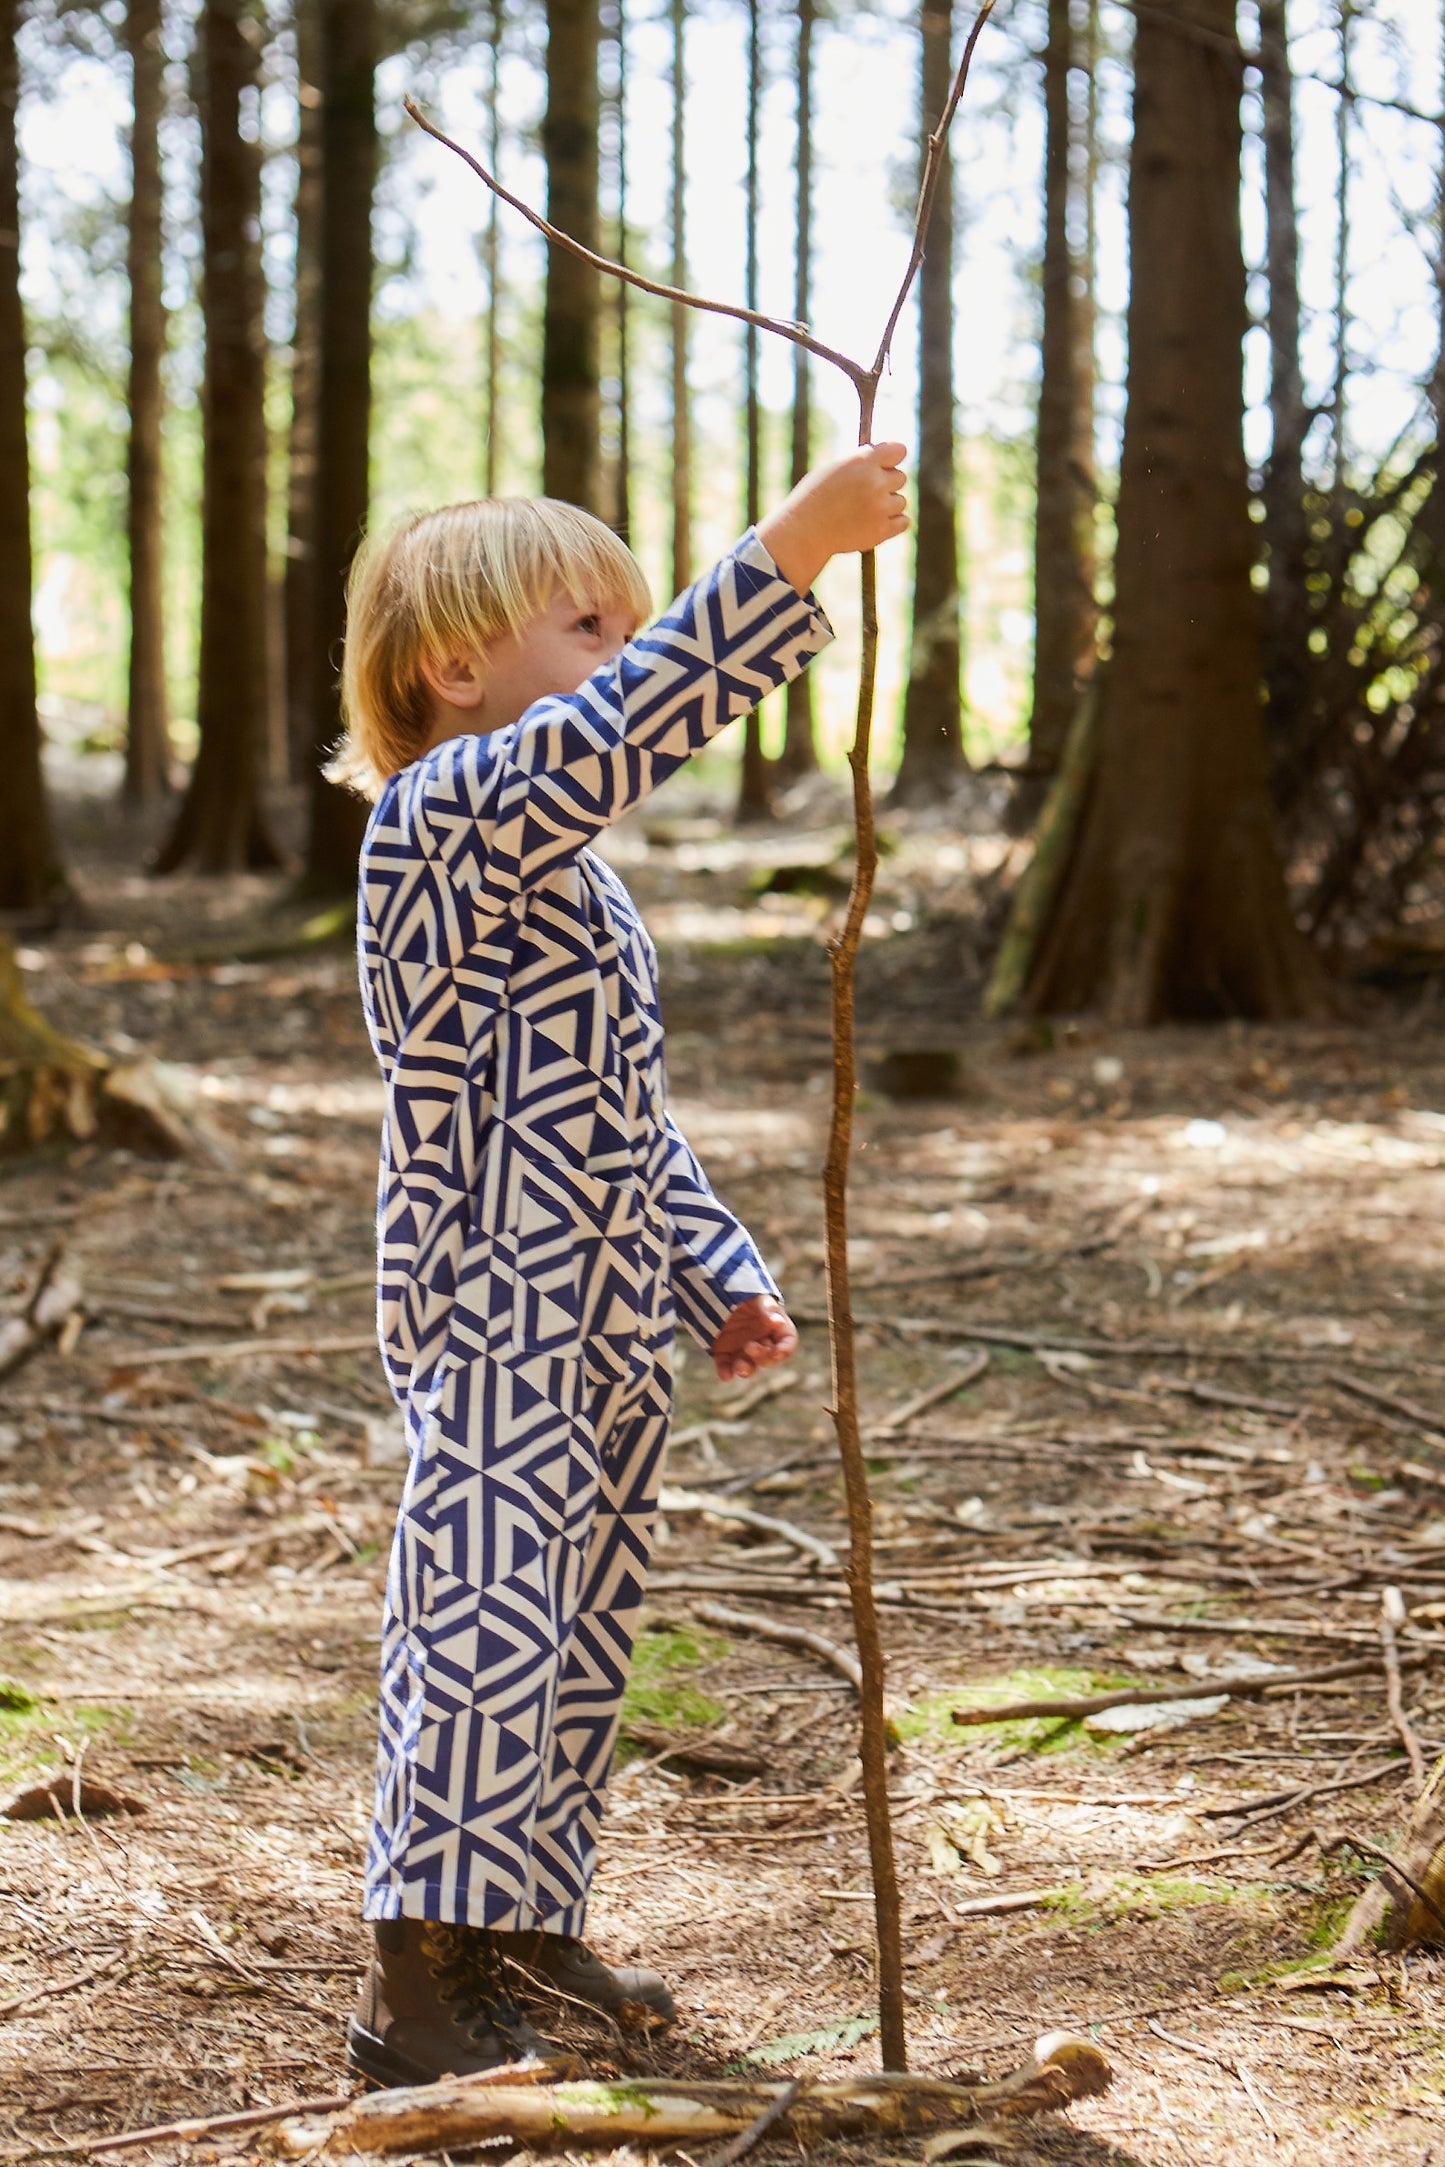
(463, 1961)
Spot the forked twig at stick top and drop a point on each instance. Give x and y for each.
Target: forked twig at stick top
(865, 379)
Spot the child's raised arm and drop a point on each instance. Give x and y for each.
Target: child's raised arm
(501, 812)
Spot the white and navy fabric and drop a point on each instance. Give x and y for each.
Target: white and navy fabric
(541, 1220)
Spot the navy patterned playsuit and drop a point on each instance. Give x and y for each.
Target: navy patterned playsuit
(541, 1220)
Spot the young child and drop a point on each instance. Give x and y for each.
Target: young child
(541, 1219)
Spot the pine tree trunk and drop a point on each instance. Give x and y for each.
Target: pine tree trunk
(1174, 903)
(343, 431)
(1434, 513)
(800, 750)
(31, 876)
(221, 827)
(571, 398)
(1286, 523)
(492, 257)
(932, 758)
(754, 786)
(299, 601)
(681, 403)
(1065, 617)
(147, 743)
(622, 322)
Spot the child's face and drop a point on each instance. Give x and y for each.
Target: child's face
(556, 652)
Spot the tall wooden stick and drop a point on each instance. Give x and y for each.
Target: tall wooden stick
(865, 379)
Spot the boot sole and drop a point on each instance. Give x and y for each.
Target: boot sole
(382, 2066)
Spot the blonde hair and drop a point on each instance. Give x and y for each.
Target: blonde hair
(459, 577)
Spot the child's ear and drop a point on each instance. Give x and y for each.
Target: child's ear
(455, 679)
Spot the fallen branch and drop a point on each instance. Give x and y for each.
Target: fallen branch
(789, 1636)
(462, 2112)
(232, 1350)
(250, 2118)
(17, 2002)
(53, 1300)
(740, 2146)
(1409, 1408)
(1244, 1685)
(989, 1907)
(1392, 1615)
(695, 1750)
(711, 1508)
(1258, 1810)
(1402, 1873)
(933, 1397)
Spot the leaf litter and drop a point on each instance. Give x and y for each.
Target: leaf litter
(192, 1549)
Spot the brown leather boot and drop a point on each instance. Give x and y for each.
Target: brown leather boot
(573, 1969)
(433, 2005)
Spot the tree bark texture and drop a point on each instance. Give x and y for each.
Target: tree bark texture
(31, 876)
(572, 314)
(147, 742)
(343, 431)
(932, 758)
(1174, 903)
(221, 827)
(754, 785)
(299, 601)
(800, 750)
(1065, 617)
(681, 403)
(491, 257)
(1286, 523)
(622, 320)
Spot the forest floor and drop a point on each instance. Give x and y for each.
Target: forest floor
(1206, 1268)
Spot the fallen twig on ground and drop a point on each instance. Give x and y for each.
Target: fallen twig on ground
(933, 1397)
(744, 2142)
(1245, 1685)
(231, 1350)
(53, 1300)
(1409, 1408)
(52, 1988)
(250, 2118)
(1393, 1865)
(842, 1660)
(1392, 1617)
(711, 1508)
(1255, 1811)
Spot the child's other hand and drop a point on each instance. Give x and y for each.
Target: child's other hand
(757, 1333)
(855, 503)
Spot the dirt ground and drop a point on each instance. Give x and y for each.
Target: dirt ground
(1206, 1270)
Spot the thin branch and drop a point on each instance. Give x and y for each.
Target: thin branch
(1372, 1850)
(747, 2138)
(1392, 1616)
(782, 327)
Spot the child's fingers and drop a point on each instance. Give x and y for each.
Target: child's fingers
(888, 455)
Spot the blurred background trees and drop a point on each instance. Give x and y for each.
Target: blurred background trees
(1176, 597)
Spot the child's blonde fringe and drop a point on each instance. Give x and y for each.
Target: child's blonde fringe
(453, 581)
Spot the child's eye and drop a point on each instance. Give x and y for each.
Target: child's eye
(590, 624)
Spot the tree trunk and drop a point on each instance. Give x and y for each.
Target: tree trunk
(932, 758)
(221, 827)
(343, 434)
(31, 876)
(299, 600)
(1174, 903)
(754, 787)
(491, 257)
(571, 401)
(1286, 524)
(622, 326)
(800, 751)
(681, 404)
(1434, 513)
(1065, 617)
(147, 742)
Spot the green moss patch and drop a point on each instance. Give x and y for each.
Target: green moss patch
(659, 1690)
(1152, 1896)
